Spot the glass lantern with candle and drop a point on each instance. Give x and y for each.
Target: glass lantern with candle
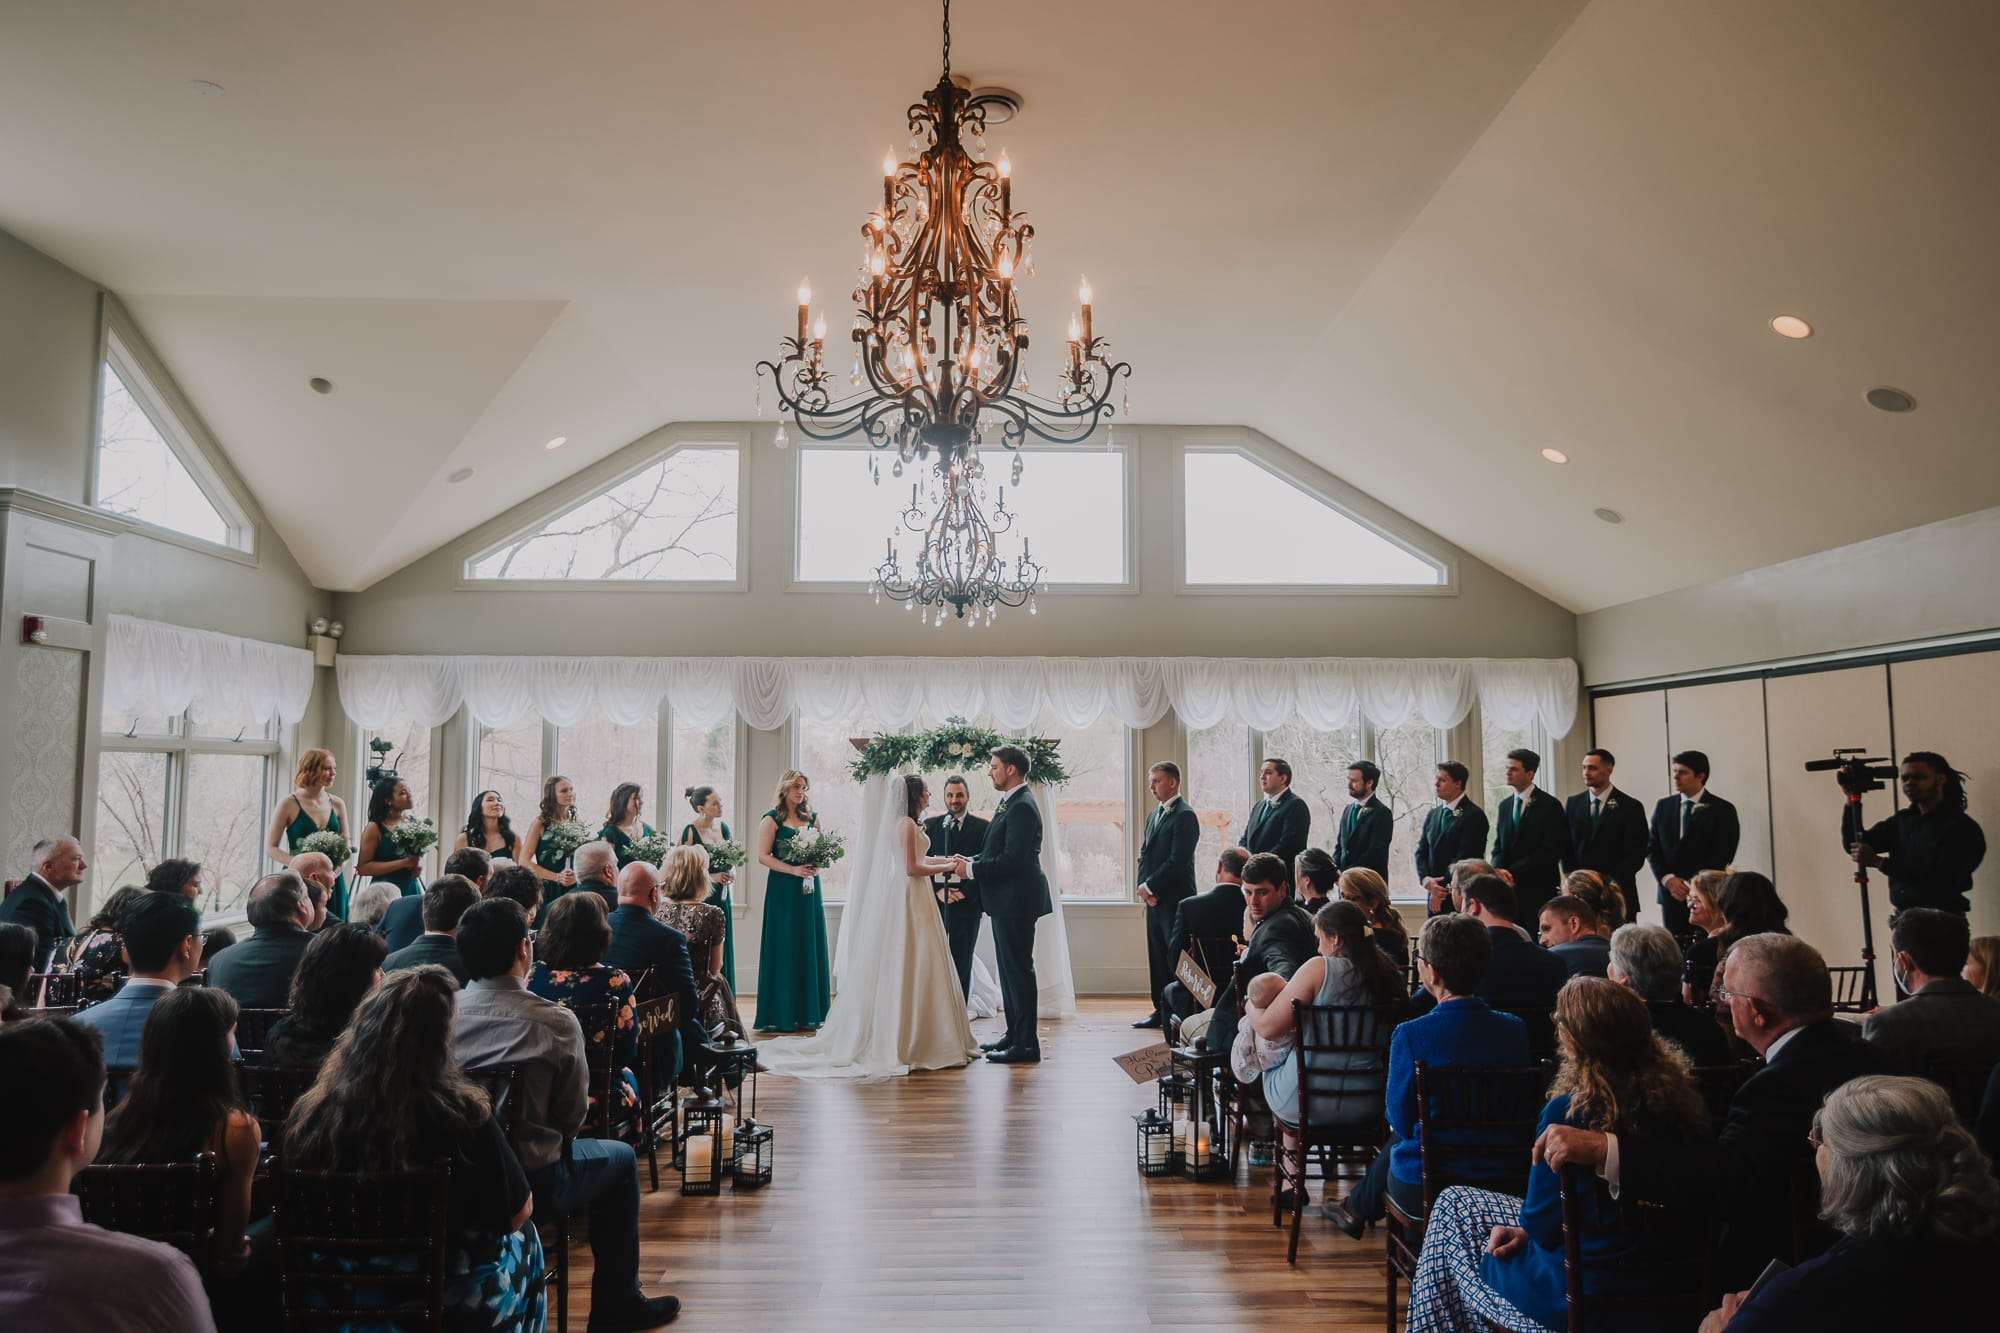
(1156, 1149)
(1204, 1134)
(755, 1151)
(702, 1145)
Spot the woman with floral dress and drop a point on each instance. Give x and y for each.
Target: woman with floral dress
(684, 880)
(570, 970)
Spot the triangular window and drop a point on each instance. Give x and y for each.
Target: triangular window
(673, 521)
(1248, 526)
(148, 466)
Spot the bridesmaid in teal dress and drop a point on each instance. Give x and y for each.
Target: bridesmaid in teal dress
(622, 825)
(311, 808)
(794, 977)
(708, 830)
(551, 867)
(388, 802)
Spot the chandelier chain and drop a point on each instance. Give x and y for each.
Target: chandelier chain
(947, 39)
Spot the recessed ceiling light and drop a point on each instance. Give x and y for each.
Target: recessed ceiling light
(205, 87)
(320, 385)
(1891, 400)
(1555, 455)
(463, 474)
(557, 443)
(1791, 326)
(1609, 515)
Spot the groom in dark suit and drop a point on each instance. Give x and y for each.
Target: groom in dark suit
(1165, 877)
(1015, 893)
(955, 833)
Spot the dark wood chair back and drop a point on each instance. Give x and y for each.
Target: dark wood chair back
(1541, 1023)
(57, 989)
(362, 1249)
(271, 1091)
(1675, 1278)
(174, 1205)
(1342, 1057)
(1965, 1084)
(253, 1031)
(1718, 1085)
(1475, 1126)
(500, 1081)
(1849, 989)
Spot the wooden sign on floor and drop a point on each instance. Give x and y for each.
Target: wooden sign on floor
(1147, 1063)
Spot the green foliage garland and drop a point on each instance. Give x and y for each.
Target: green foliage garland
(956, 746)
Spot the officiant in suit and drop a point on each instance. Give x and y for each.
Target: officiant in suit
(1014, 892)
(1454, 830)
(1607, 830)
(1281, 823)
(1693, 830)
(1165, 877)
(1531, 837)
(1366, 826)
(1208, 926)
(955, 833)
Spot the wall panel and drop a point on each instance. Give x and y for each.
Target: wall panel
(1946, 704)
(1726, 723)
(1634, 728)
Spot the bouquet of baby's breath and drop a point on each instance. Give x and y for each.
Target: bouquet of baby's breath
(333, 846)
(565, 836)
(724, 857)
(652, 849)
(415, 836)
(813, 848)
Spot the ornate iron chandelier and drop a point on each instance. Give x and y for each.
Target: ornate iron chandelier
(940, 356)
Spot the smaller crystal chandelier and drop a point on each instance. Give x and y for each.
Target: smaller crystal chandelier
(959, 564)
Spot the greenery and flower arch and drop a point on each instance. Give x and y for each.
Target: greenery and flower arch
(956, 745)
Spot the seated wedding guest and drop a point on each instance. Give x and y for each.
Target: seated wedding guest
(1704, 952)
(391, 1097)
(1982, 965)
(684, 879)
(213, 941)
(316, 873)
(1647, 959)
(488, 829)
(655, 956)
(37, 901)
(1569, 931)
(444, 903)
(1280, 938)
(1520, 975)
(1604, 898)
(569, 970)
(597, 870)
(340, 966)
(96, 956)
(370, 904)
(1350, 970)
(1918, 1214)
(1453, 952)
(1493, 1258)
(1780, 999)
(1206, 926)
(500, 1022)
(403, 922)
(17, 961)
(57, 1272)
(183, 1102)
(175, 875)
(1367, 891)
(1457, 877)
(518, 884)
(1942, 1018)
(162, 942)
(1317, 880)
(258, 972)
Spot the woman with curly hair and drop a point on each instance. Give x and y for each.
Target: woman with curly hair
(391, 1097)
(1490, 1258)
(97, 956)
(551, 866)
(1918, 1211)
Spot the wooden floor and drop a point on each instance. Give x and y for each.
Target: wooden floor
(988, 1197)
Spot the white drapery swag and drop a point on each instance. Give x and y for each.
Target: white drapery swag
(1324, 693)
(153, 670)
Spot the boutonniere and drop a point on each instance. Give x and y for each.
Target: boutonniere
(1611, 803)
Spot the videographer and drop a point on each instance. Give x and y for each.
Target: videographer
(1930, 847)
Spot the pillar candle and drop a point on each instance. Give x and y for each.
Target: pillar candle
(700, 1156)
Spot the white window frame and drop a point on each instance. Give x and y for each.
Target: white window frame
(592, 482)
(797, 582)
(124, 348)
(274, 745)
(1329, 490)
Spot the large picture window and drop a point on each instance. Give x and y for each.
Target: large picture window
(1494, 743)
(596, 756)
(706, 757)
(1302, 538)
(1219, 788)
(1319, 761)
(510, 762)
(1408, 756)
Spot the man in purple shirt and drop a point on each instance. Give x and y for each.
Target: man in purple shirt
(59, 1274)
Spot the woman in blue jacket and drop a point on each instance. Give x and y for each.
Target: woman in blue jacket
(1492, 1257)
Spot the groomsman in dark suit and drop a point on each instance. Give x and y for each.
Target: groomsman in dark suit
(1208, 926)
(1165, 876)
(1454, 830)
(1693, 830)
(955, 833)
(1366, 826)
(1607, 830)
(1531, 838)
(1281, 823)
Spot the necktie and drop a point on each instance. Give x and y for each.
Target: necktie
(1687, 813)
(1444, 817)
(1594, 804)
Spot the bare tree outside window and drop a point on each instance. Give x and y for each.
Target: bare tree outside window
(510, 762)
(1219, 788)
(1319, 761)
(674, 521)
(140, 476)
(706, 757)
(131, 819)
(598, 755)
(1408, 756)
(225, 825)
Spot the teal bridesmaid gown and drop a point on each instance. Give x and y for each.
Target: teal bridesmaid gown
(794, 976)
(719, 895)
(410, 882)
(302, 827)
(621, 844)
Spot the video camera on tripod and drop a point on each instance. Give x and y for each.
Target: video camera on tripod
(1858, 773)
(382, 770)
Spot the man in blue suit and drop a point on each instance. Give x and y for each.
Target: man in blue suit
(162, 934)
(655, 956)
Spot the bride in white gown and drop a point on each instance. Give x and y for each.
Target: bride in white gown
(898, 1006)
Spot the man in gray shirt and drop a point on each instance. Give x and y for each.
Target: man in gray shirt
(499, 1022)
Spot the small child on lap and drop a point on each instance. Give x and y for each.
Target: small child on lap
(1251, 1054)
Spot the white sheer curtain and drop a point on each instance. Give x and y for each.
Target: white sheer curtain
(1325, 693)
(155, 670)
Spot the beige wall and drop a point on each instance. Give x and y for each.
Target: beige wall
(48, 372)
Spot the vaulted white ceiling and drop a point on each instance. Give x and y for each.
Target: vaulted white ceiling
(1415, 240)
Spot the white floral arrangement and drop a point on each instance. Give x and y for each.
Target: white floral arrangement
(724, 857)
(652, 849)
(565, 836)
(812, 848)
(333, 846)
(414, 835)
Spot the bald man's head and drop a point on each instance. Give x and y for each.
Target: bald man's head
(639, 884)
(314, 868)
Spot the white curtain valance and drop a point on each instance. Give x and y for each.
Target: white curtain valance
(154, 670)
(1325, 693)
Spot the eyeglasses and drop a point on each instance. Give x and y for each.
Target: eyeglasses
(1722, 993)
(1813, 1138)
